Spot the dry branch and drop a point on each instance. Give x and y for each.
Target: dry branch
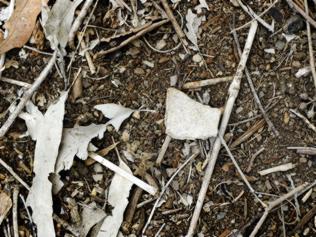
(132, 38)
(27, 95)
(233, 93)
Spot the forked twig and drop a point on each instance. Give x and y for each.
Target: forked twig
(253, 90)
(301, 116)
(27, 95)
(273, 204)
(233, 93)
(165, 188)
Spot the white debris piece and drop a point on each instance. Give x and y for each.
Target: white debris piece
(118, 198)
(202, 5)
(192, 25)
(59, 20)
(187, 119)
(90, 216)
(46, 151)
(270, 50)
(303, 72)
(117, 113)
(284, 167)
(75, 142)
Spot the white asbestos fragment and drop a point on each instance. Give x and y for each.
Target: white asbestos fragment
(118, 198)
(187, 119)
(270, 50)
(284, 167)
(46, 151)
(116, 113)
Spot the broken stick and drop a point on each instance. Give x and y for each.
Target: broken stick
(207, 82)
(233, 93)
(27, 95)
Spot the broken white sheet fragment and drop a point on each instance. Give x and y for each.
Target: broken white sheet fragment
(187, 119)
(46, 151)
(118, 198)
(116, 113)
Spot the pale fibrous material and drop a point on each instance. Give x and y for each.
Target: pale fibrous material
(193, 23)
(187, 119)
(46, 151)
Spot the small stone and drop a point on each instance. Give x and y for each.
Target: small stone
(239, 110)
(148, 64)
(280, 45)
(197, 58)
(97, 177)
(286, 117)
(296, 64)
(161, 44)
(136, 115)
(303, 160)
(139, 71)
(163, 59)
(234, 3)
(306, 231)
(294, 24)
(125, 136)
(173, 80)
(97, 168)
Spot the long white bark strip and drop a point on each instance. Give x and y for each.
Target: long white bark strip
(146, 187)
(233, 93)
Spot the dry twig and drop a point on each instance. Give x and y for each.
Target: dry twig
(233, 93)
(76, 24)
(163, 150)
(301, 116)
(273, 204)
(310, 46)
(175, 24)
(253, 90)
(11, 171)
(27, 95)
(132, 38)
(15, 212)
(207, 82)
(165, 188)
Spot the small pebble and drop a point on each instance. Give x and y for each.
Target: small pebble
(197, 58)
(303, 160)
(139, 71)
(280, 45)
(161, 44)
(173, 80)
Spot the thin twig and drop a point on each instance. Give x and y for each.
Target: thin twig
(253, 90)
(310, 20)
(175, 24)
(76, 24)
(132, 38)
(165, 188)
(242, 175)
(252, 14)
(15, 82)
(15, 212)
(273, 204)
(146, 187)
(310, 46)
(11, 171)
(130, 211)
(27, 95)
(207, 82)
(163, 150)
(301, 116)
(233, 93)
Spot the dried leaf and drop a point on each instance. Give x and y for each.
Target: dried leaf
(46, 151)
(90, 216)
(59, 20)
(75, 142)
(187, 119)
(20, 25)
(5, 205)
(116, 113)
(118, 198)
(193, 24)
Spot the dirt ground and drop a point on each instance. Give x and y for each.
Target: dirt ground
(123, 78)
